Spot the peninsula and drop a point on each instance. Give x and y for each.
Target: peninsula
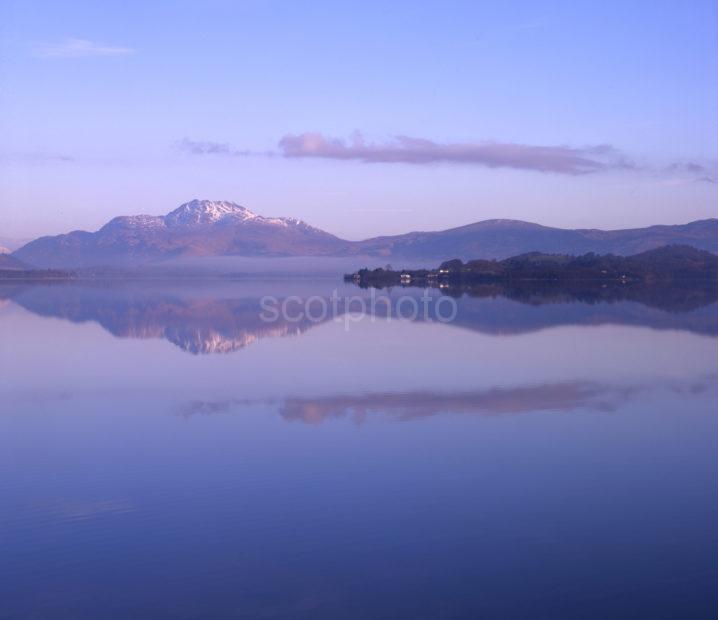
(667, 264)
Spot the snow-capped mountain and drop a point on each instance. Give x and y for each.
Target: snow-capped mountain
(201, 212)
(196, 228)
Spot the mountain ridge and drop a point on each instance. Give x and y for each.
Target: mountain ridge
(12, 263)
(223, 228)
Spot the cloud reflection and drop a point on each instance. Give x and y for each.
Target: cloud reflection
(405, 406)
(562, 396)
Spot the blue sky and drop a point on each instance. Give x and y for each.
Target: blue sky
(394, 116)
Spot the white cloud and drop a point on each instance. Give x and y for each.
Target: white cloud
(78, 48)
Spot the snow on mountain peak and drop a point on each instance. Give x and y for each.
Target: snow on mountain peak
(124, 222)
(207, 212)
(198, 212)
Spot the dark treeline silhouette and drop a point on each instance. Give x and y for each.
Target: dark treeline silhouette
(672, 264)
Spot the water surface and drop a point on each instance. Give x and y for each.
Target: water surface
(166, 453)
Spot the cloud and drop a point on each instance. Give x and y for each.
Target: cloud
(692, 172)
(409, 150)
(688, 166)
(559, 159)
(204, 147)
(35, 158)
(78, 48)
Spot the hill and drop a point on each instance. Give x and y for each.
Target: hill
(9, 262)
(498, 239)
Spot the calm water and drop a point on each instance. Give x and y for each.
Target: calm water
(165, 453)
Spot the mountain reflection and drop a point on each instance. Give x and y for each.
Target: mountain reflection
(197, 325)
(201, 318)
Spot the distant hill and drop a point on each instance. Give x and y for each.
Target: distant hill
(504, 238)
(218, 228)
(12, 263)
(10, 244)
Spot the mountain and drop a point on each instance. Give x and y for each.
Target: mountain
(196, 228)
(219, 228)
(11, 263)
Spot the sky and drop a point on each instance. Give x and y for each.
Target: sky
(362, 118)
